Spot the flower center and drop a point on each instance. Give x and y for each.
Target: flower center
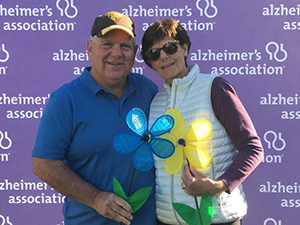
(181, 141)
(145, 137)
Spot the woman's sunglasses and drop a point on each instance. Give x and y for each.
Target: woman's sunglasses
(170, 48)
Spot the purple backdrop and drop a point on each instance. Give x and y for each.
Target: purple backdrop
(253, 44)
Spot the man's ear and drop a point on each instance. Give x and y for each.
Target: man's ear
(135, 49)
(89, 49)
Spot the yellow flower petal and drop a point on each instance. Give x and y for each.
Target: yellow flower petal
(178, 129)
(173, 164)
(196, 156)
(169, 137)
(198, 131)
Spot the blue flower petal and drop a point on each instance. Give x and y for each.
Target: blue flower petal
(162, 125)
(126, 142)
(143, 158)
(162, 148)
(137, 121)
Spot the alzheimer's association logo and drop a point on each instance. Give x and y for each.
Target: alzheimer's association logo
(275, 141)
(276, 51)
(67, 8)
(207, 8)
(4, 54)
(5, 141)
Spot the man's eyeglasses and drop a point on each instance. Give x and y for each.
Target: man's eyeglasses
(170, 48)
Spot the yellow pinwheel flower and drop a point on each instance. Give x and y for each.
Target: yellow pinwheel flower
(187, 142)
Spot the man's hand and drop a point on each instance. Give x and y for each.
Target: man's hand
(66, 182)
(113, 207)
(197, 184)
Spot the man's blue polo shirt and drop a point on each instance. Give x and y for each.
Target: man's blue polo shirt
(78, 126)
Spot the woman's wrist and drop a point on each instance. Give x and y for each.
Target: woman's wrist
(218, 187)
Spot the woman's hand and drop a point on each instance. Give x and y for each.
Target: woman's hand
(196, 184)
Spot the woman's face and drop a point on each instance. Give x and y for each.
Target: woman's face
(170, 66)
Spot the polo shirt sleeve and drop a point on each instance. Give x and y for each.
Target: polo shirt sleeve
(54, 133)
(231, 112)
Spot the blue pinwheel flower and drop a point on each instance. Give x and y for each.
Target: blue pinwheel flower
(144, 142)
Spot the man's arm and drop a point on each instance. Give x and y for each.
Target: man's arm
(65, 181)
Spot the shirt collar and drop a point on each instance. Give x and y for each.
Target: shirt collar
(186, 81)
(89, 82)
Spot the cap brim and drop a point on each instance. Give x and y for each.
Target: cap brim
(117, 27)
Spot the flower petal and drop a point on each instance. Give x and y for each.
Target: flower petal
(126, 142)
(161, 147)
(137, 121)
(173, 164)
(170, 137)
(178, 129)
(196, 156)
(143, 158)
(162, 125)
(198, 131)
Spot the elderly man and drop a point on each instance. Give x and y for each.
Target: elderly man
(74, 153)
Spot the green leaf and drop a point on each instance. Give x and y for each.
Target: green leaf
(187, 213)
(201, 216)
(206, 209)
(118, 190)
(137, 199)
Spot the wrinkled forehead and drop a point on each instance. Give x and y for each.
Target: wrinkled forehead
(117, 35)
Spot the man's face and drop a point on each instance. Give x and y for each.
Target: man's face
(112, 57)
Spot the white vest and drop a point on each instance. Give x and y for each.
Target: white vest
(191, 95)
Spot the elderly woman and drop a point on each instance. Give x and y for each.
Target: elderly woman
(236, 149)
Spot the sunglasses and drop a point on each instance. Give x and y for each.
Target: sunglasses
(170, 48)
